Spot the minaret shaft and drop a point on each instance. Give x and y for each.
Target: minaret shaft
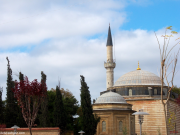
(109, 64)
(110, 53)
(109, 77)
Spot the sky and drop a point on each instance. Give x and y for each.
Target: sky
(67, 38)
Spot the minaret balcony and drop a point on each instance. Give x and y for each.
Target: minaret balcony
(109, 64)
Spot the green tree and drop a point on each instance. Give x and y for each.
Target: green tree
(176, 90)
(43, 116)
(59, 111)
(89, 120)
(11, 103)
(51, 101)
(124, 130)
(78, 121)
(1, 107)
(71, 106)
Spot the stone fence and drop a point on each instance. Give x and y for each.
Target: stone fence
(35, 131)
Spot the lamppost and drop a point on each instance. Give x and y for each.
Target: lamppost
(81, 132)
(140, 116)
(15, 128)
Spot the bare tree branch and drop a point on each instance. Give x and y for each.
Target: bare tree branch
(158, 43)
(166, 62)
(171, 49)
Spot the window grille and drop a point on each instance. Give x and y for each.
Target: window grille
(130, 92)
(155, 91)
(120, 126)
(104, 126)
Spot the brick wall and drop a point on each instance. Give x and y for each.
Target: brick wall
(151, 122)
(156, 119)
(173, 107)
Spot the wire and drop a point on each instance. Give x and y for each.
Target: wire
(114, 48)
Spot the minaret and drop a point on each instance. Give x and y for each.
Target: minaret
(110, 64)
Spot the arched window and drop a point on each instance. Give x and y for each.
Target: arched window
(120, 126)
(130, 92)
(155, 91)
(104, 126)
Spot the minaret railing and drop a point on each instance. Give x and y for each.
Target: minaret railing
(109, 64)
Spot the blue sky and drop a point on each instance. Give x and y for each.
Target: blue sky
(153, 15)
(66, 39)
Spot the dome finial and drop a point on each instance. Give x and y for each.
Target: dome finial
(138, 66)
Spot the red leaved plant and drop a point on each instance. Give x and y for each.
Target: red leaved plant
(29, 96)
(178, 100)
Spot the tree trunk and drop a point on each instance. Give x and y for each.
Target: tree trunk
(30, 130)
(162, 84)
(165, 117)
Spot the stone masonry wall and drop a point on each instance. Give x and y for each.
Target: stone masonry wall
(151, 122)
(174, 108)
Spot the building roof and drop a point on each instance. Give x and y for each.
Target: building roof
(138, 77)
(109, 39)
(110, 97)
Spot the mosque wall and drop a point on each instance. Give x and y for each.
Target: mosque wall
(153, 122)
(173, 110)
(114, 121)
(113, 105)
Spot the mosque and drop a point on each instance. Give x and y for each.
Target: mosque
(135, 90)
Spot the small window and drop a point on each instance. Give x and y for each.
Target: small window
(155, 91)
(104, 126)
(120, 126)
(130, 92)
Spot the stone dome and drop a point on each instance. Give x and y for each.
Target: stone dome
(110, 97)
(138, 77)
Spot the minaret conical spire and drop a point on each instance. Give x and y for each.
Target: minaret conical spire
(110, 64)
(109, 39)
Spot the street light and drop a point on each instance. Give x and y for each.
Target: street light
(15, 128)
(81, 132)
(140, 116)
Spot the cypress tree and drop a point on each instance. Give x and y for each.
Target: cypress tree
(89, 120)
(1, 107)
(43, 116)
(59, 111)
(10, 113)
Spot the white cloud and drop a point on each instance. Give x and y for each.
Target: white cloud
(58, 21)
(63, 47)
(85, 57)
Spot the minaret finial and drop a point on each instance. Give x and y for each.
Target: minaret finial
(138, 66)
